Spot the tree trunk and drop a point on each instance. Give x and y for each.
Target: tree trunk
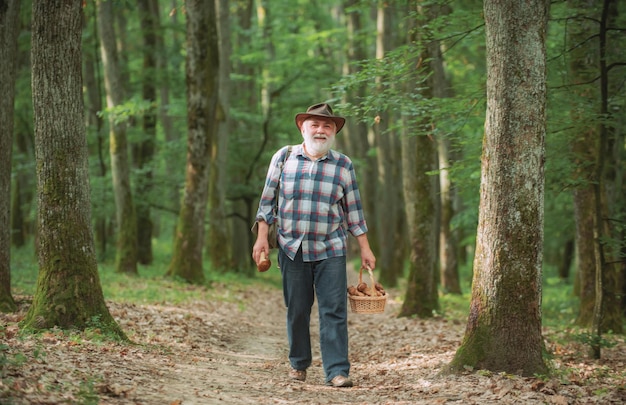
(504, 326)
(9, 30)
(143, 150)
(389, 234)
(606, 311)
(596, 271)
(448, 246)
(126, 219)
(95, 128)
(171, 135)
(355, 137)
(419, 158)
(218, 246)
(240, 216)
(202, 72)
(418, 153)
(616, 156)
(68, 292)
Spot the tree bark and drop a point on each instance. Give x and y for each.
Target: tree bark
(503, 331)
(68, 292)
(9, 30)
(126, 217)
(202, 72)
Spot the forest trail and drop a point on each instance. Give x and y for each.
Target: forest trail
(234, 351)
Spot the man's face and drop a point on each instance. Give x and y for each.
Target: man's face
(318, 134)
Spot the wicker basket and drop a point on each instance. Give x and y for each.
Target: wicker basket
(367, 305)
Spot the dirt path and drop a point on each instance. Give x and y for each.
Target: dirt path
(234, 352)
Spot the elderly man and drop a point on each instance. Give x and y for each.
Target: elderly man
(318, 204)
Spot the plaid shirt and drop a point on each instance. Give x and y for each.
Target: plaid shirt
(319, 203)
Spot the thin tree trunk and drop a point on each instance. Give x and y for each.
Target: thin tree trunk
(218, 246)
(448, 246)
(503, 331)
(143, 150)
(419, 158)
(126, 219)
(202, 72)
(9, 31)
(355, 135)
(165, 118)
(68, 292)
(242, 206)
(606, 311)
(388, 163)
(95, 123)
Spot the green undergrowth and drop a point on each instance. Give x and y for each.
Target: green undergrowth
(559, 306)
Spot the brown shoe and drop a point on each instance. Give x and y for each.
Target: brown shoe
(340, 381)
(299, 375)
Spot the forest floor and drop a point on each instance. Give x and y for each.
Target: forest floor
(234, 351)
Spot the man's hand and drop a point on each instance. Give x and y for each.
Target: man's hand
(368, 260)
(261, 245)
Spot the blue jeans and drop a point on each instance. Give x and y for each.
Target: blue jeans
(327, 280)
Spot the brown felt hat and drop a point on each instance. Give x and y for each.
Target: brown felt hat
(320, 110)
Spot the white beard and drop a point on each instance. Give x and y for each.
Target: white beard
(318, 147)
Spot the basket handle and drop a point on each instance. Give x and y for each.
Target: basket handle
(369, 269)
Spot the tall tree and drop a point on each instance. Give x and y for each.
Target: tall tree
(247, 100)
(218, 246)
(9, 30)
(448, 247)
(355, 138)
(126, 217)
(598, 274)
(584, 61)
(143, 149)
(166, 67)
(95, 128)
(202, 72)
(505, 308)
(607, 314)
(390, 237)
(68, 292)
(419, 158)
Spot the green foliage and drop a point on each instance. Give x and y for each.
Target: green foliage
(594, 340)
(87, 393)
(7, 358)
(559, 304)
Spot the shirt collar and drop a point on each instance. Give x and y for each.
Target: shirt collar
(331, 155)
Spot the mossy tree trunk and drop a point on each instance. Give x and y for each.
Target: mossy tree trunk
(202, 72)
(503, 331)
(8, 50)
(126, 217)
(68, 292)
